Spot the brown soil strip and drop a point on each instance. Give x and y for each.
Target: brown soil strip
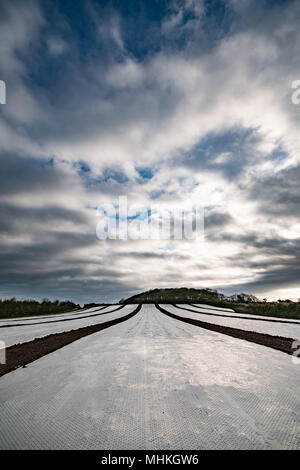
(274, 342)
(19, 355)
(237, 317)
(63, 319)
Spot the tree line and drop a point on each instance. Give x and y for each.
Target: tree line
(16, 308)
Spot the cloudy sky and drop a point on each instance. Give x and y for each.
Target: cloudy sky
(162, 102)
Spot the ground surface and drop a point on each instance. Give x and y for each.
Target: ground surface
(21, 331)
(157, 383)
(279, 327)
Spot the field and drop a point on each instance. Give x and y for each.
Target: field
(138, 378)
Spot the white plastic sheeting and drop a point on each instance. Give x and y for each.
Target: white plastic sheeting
(19, 334)
(221, 311)
(153, 382)
(56, 316)
(286, 330)
(211, 307)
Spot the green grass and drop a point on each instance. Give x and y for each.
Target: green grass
(13, 308)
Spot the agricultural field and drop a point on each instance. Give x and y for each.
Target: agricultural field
(134, 377)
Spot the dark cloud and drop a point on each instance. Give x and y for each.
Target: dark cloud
(217, 219)
(272, 279)
(28, 175)
(274, 262)
(20, 219)
(278, 194)
(144, 255)
(54, 286)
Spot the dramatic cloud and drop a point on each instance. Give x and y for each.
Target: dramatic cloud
(173, 104)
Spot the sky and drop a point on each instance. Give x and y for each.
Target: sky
(167, 103)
